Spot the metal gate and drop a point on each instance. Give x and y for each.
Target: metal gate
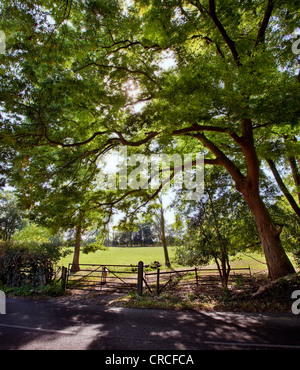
(102, 277)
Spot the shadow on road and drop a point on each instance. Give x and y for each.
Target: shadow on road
(31, 324)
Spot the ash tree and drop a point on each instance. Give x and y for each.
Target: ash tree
(80, 78)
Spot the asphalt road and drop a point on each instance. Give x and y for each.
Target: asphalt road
(40, 325)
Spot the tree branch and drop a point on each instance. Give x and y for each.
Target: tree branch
(230, 43)
(264, 24)
(149, 137)
(51, 141)
(283, 188)
(118, 68)
(222, 159)
(75, 144)
(198, 128)
(209, 41)
(129, 44)
(211, 13)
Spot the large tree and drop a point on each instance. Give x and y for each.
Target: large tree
(84, 77)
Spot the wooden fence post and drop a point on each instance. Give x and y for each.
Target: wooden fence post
(140, 278)
(196, 276)
(157, 282)
(64, 272)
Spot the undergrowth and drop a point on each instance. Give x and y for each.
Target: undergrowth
(258, 297)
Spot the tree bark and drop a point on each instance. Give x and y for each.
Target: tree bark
(75, 264)
(163, 237)
(224, 269)
(277, 261)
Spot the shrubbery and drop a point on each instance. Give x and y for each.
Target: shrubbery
(297, 257)
(27, 265)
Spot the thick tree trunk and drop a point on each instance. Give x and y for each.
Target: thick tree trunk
(277, 261)
(75, 264)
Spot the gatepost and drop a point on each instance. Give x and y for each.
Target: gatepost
(140, 278)
(64, 275)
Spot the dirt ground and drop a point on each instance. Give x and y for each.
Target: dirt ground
(243, 294)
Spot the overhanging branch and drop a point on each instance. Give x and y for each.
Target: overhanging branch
(283, 188)
(118, 68)
(264, 24)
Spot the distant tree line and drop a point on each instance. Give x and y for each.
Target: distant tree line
(145, 235)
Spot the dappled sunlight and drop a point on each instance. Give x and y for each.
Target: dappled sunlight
(166, 334)
(94, 325)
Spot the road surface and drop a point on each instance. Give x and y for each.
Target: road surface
(41, 325)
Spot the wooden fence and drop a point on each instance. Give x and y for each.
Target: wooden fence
(160, 280)
(133, 277)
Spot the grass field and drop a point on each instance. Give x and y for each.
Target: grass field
(122, 256)
(131, 256)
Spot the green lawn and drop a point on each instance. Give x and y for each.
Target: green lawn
(132, 256)
(122, 256)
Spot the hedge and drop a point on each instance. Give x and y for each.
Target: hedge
(19, 265)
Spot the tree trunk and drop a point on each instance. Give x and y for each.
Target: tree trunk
(277, 261)
(163, 237)
(75, 264)
(224, 269)
(276, 258)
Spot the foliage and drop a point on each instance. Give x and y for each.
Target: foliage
(137, 234)
(28, 290)
(94, 247)
(297, 257)
(32, 234)
(19, 265)
(280, 290)
(80, 78)
(40, 240)
(283, 215)
(253, 296)
(220, 220)
(11, 217)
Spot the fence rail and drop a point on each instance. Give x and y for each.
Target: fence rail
(160, 280)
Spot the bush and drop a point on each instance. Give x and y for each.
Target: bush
(279, 290)
(297, 257)
(19, 265)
